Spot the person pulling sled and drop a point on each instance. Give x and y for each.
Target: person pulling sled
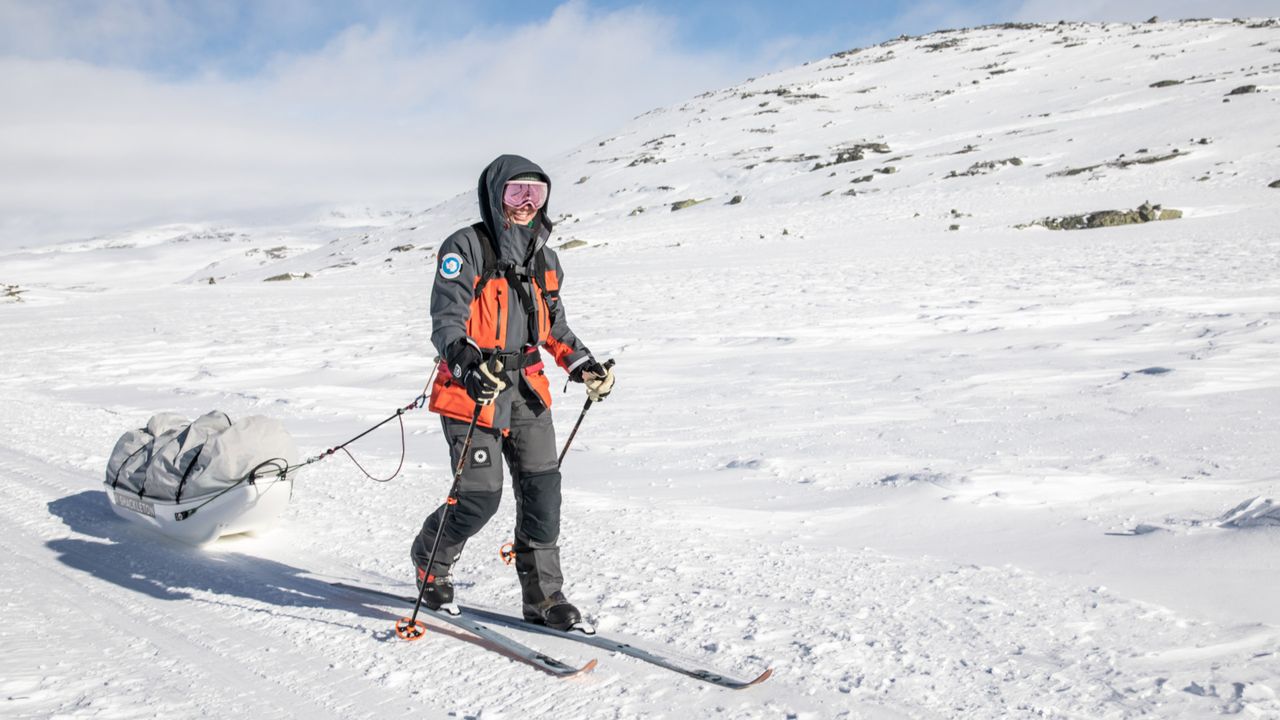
(495, 303)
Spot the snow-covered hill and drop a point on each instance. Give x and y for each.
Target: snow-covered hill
(876, 426)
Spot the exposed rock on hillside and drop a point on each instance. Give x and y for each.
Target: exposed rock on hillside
(854, 153)
(278, 252)
(785, 94)
(1109, 218)
(645, 160)
(682, 204)
(982, 168)
(1123, 162)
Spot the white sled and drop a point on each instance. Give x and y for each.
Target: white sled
(200, 480)
(246, 508)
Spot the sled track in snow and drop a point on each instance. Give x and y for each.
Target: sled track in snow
(138, 624)
(75, 627)
(113, 619)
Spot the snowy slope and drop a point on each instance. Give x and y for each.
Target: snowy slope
(920, 472)
(190, 252)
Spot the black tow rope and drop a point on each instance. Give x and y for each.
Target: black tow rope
(418, 403)
(282, 470)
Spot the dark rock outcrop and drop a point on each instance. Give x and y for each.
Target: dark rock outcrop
(982, 168)
(854, 153)
(1109, 218)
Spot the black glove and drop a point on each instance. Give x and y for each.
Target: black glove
(599, 378)
(484, 381)
(590, 367)
(462, 357)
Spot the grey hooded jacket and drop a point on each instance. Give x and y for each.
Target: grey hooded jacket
(461, 261)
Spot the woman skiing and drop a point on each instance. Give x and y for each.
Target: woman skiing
(495, 302)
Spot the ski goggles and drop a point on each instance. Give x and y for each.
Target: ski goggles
(520, 193)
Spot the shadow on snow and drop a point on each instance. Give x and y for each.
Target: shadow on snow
(146, 563)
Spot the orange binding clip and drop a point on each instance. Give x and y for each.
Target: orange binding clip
(508, 553)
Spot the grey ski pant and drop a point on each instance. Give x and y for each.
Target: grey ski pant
(530, 453)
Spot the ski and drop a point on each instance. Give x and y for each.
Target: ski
(507, 645)
(595, 640)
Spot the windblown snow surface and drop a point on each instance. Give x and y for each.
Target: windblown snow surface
(921, 472)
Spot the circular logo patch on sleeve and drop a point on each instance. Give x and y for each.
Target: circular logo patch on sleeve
(450, 266)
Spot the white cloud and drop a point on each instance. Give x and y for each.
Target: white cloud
(124, 31)
(379, 115)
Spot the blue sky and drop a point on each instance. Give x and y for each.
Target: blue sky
(125, 112)
(239, 38)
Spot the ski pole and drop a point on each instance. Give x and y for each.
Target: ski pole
(607, 364)
(411, 628)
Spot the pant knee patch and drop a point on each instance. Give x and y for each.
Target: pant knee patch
(473, 510)
(539, 520)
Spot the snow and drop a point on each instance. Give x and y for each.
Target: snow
(920, 472)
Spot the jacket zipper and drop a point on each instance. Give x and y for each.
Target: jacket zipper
(535, 293)
(497, 331)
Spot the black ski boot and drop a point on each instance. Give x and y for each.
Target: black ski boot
(555, 612)
(439, 592)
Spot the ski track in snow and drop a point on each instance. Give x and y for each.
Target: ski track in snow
(876, 455)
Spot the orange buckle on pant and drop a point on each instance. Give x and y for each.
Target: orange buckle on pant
(507, 553)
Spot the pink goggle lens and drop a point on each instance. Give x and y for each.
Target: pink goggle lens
(525, 192)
